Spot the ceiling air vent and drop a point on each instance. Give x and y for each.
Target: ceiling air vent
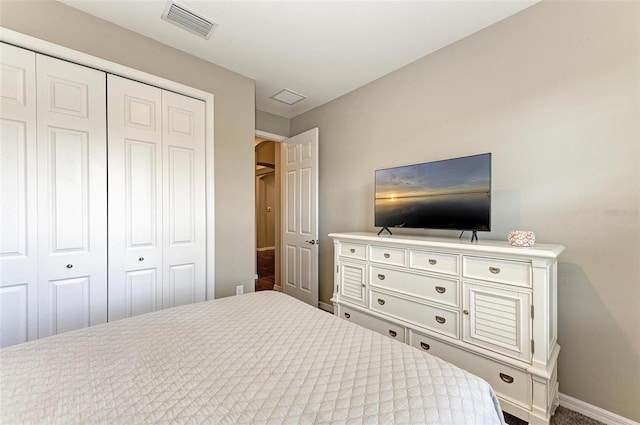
(288, 96)
(189, 20)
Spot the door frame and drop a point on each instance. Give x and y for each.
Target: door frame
(41, 46)
(278, 225)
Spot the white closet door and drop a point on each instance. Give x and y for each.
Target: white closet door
(18, 196)
(184, 200)
(72, 198)
(135, 198)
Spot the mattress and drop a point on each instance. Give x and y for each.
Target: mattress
(261, 358)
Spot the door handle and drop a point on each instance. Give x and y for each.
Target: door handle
(313, 242)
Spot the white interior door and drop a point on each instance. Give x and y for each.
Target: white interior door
(72, 197)
(300, 216)
(18, 196)
(135, 197)
(184, 226)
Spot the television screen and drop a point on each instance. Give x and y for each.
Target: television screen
(452, 194)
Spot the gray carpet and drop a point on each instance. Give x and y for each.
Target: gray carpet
(563, 416)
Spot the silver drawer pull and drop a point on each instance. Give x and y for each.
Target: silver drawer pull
(506, 378)
(424, 345)
(387, 255)
(393, 333)
(381, 276)
(441, 289)
(352, 250)
(432, 261)
(347, 315)
(440, 319)
(494, 270)
(380, 301)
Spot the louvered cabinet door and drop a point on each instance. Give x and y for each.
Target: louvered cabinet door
(184, 231)
(135, 197)
(352, 282)
(72, 196)
(498, 318)
(18, 196)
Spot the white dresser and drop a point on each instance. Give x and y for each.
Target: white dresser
(487, 307)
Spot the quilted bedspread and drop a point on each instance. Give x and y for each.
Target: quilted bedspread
(258, 358)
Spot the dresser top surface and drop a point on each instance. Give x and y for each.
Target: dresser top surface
(539, 250)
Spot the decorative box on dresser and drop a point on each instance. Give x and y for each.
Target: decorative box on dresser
(486, 307)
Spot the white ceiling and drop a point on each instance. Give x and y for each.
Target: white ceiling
(320, 49)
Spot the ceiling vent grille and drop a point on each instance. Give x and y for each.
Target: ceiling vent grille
(288, 96)
(189, 20)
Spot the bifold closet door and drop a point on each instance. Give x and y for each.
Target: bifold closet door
(156, 199)
(184, 247)
(18, 197)
(135, 197)
(72, 196)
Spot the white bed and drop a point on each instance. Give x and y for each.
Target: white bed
(258, 358)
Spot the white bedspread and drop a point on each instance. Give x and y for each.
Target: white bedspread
(257, 358)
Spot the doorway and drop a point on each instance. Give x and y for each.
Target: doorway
(267, 204)
(294, 210)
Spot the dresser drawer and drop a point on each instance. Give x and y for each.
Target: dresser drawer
(436, 262)
(353, 250)
(432, 288)
(378, 325)
(393, 256)
(436, 319)
(508, 382)
(503, 271)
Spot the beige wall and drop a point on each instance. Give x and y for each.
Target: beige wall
(553, 93)
(234, 116)
(272, 123)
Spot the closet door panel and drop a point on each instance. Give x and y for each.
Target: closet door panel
(72, 222)
(141, 178)
(135, 198)
(182, 284)
(18, 196)
(68, 191)
(142, 288)
(183, 199)
(14, 315)
(182, 190)
(69, 306)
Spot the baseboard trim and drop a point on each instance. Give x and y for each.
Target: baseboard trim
(326, 307)
(594, 412)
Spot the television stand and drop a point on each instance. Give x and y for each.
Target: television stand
(383, 229)
(474, 235)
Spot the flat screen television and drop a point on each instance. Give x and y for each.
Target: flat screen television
(451, 194)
